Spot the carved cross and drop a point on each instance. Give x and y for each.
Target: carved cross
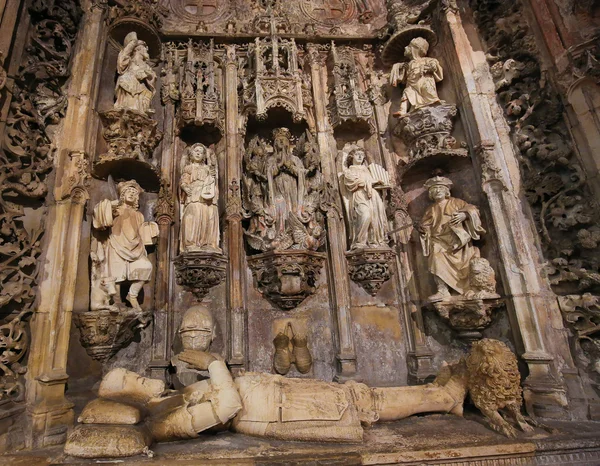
(200, 7)
(330, 9)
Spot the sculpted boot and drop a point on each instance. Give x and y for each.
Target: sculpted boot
(302, 356)
(282, 360)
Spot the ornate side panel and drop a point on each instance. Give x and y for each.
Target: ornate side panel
(26, 160)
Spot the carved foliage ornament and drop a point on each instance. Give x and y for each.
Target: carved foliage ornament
(26, 158)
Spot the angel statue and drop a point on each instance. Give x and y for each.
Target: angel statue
(360, 185)
(136, 84)
(199, 193)
(419, 76)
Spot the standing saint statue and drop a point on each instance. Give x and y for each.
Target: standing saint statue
(360, 185)
(447, 229)
(199, 197)
(122, 256)
(136, 84)
(419, 76)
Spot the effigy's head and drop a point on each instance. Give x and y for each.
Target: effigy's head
(281, 138)
(418, 47)
(129, 193)
(128, 387)
(197, 328)
(438, 187)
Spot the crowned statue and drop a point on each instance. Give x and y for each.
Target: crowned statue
(136, 84)
(419, 77)
(199, 192)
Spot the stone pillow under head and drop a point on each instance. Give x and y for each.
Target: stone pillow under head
(102, 441)
(102, 411)
(128, 387)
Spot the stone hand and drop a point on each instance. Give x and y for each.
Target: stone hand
(197, 359)
(458, 218)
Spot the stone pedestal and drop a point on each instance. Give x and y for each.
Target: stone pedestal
(287, 278)
(370, 268)
(131, 138)
(199, 271)
(105, 332)
(467, 316)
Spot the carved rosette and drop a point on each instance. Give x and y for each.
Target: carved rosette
(370, 268)
(103, 333)
(286, 278)
(199, 271)
(467, 316)
(131, 138)
(427, 132)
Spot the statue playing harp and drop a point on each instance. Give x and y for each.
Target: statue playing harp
(360, 186)
(199, 198)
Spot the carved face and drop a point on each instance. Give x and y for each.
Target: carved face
(141, 50)
(439, 193)
(198, 154)
(358, 157)
(130, 196)
(198, 340)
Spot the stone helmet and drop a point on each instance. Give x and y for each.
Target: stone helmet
(197, 328)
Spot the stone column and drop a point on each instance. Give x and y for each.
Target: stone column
(236, 273)
(162, 331)
(339, 284)
(420, 356)
(50, 412)
(532, 308)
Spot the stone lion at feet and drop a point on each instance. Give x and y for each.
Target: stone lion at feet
(482, 279)
(494, 384)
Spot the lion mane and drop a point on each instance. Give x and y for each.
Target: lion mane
(494, 379)
(482, 279)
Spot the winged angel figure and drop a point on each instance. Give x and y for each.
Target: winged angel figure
(282, 192)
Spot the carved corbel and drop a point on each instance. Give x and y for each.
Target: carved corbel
(75, 181)
(491, 173)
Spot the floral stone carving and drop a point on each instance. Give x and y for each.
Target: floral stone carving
(199, 271)
(131, 138)
(287, 277)
(104, 332)
(370, 268)
(427, 132)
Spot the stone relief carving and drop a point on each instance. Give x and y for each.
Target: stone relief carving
(369, 256)
(196, 81)
(291, 349)
(271, 77)
(26, 159)
(282, 197)
(199, 193)
(348, 100)
(553, 178)
(447, 231)
(489, 373)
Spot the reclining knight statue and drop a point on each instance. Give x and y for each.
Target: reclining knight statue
(256, 404)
